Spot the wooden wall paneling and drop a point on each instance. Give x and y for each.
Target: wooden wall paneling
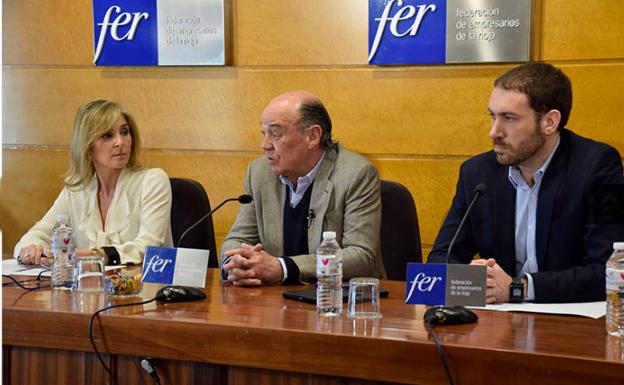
(56, 32)
(170, 372)
(214, 111)
(295, 33)
(6, 364)
(582, 30)
(537, 29)
(597, 98)
(31, 182)
(49, 366)
(252, 376)
(220, 109)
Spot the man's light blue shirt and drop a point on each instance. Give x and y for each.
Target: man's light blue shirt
(303, 182)
(526, 219)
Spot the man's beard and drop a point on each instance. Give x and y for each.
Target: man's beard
(517, 155)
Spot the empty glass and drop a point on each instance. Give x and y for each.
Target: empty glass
(90, 273)
(364, 298)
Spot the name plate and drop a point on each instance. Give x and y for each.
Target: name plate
(171, 266)
(448, 31)
(445, 284)
(159, 32)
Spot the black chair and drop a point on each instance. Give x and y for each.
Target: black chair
(400, 235)
(190, 202)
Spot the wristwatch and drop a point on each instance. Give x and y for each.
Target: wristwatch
(516, 290)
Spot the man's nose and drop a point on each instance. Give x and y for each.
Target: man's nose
(495, 131)
(266, 143)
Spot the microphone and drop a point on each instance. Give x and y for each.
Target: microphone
(309, 218)
(243, 199)
(479, 190)
(451, 315)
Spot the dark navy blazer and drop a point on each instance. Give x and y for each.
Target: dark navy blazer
(571, 248)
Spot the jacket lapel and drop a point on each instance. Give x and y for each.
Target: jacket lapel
(549, 190)
(273, 199)
(319, 201)
(504, 220)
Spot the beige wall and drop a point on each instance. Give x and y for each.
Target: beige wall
(417, 124)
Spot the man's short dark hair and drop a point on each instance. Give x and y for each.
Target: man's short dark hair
(546, 87)
(313, 112)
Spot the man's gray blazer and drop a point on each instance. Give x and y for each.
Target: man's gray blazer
(345, 199)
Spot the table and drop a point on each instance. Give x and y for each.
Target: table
(254, 336)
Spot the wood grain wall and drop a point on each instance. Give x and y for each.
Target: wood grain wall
(417, 124)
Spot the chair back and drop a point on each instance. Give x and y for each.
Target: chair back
(400, 234)
(190, 202)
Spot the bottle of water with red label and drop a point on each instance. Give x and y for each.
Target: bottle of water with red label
(329, 276)
(615, 291)
(63, 263)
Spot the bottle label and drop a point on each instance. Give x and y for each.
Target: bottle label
(328, 264)
(615, 279)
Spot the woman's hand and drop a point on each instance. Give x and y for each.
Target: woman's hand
(35, 255)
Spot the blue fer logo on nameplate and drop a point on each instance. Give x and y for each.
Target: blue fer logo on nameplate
(446, 284)
(178, 266)
(406, 31)
(159, 264)
(426, 284)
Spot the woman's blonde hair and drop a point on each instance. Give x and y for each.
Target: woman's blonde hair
(92, 121)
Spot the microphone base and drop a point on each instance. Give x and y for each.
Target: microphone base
(449, 315)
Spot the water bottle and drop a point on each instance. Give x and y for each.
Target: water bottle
(63, 269)
(615, 291)
(329, 276)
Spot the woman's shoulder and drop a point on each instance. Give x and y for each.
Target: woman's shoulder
(155, 174)
(145, 178)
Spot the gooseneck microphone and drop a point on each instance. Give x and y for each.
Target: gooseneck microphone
(479, 190)
(243, 199)
(451, 315)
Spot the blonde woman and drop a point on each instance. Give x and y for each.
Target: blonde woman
(116, 207)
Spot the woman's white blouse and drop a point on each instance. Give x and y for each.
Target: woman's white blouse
(138, 216)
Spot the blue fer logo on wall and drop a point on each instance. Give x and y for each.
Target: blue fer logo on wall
(125, 32)
(158, 32)
(406, 31)
(448, 31)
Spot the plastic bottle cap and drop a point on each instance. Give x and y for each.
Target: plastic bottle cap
(329, 235)
(616, 245)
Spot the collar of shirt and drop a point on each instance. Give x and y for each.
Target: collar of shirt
(518, 181)
(303, 183)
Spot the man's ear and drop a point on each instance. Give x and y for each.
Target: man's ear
(550, 121)
(314, 135)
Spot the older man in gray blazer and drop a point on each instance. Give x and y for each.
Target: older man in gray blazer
(304, 185)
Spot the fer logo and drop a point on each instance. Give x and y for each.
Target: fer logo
(406, 31)
(159, 264)
(426, 284)
(125, 32)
